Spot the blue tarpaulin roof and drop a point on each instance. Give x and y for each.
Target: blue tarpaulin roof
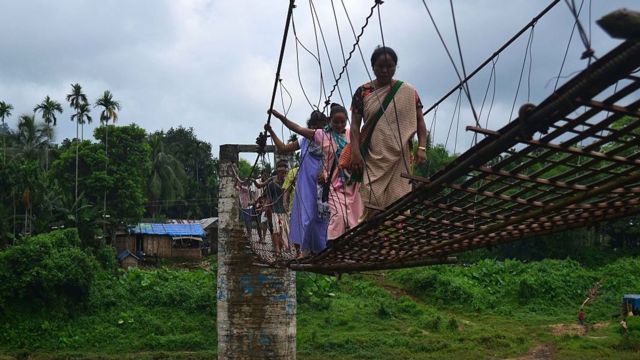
(173, 230)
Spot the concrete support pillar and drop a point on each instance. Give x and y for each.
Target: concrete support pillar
(256, 305)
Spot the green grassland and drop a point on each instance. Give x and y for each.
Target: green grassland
(487, 310)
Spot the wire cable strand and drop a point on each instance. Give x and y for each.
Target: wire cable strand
(326, 48)
(524, 62)
(355, 37)
(344, 58)
(495, 54)
(299, 43)
(464, 71)
(281, 57)
(353, 48)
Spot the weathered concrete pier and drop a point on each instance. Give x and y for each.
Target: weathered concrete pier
(256, 304)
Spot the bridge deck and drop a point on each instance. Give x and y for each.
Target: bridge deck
(571, 161)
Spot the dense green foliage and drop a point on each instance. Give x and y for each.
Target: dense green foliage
(98, 185)
(551, 287)
(485, 310)
(55, 296)
(46, 270)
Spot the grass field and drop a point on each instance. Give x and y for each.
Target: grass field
(504, 310)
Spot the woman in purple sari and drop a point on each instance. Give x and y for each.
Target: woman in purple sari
(309, 221)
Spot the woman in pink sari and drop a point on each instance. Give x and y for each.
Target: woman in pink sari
(342, 196)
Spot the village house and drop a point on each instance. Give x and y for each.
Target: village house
(187, 240)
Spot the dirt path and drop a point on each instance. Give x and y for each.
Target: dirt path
(575, 329)
(540, 352)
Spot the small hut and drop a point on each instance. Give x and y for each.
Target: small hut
(210, 227)
(164, 240)
(127, 260)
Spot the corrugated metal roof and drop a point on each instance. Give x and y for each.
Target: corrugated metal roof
(168, 229)
(208, 222)
(123, 255)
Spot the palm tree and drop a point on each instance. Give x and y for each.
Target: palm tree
(167, 175)
(48, 108)
(31, 137)
(5, 111)
(81, 115)
(77, 99)
(110, 108)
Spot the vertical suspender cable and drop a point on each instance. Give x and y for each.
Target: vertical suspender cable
(284, 43)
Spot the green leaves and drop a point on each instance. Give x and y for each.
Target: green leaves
(48, 269)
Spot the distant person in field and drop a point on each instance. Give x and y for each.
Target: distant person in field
(386, 137)
(581, 317)
(342, 196)
(308, 227)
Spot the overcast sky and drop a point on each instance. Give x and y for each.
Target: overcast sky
(210, 64)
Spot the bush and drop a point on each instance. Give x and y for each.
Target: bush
(436, 322)
(315, 291)
(49, 269)
(452, 325)
(106, 256)
(177, 289)
(502, 286)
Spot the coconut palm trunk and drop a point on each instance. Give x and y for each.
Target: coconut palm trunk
(106, 172)
(77, 154)
(15, 214)
(110, 108)
(78, 100)
(48, 107)
(5, 110)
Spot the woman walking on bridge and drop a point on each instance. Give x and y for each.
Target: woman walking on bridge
(343, 197)
(308, 230)
(392, 114)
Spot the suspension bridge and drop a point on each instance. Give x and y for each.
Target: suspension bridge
(571, 160)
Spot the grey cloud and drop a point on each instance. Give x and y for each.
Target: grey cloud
(210, 64)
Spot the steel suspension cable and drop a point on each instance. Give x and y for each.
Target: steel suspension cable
(315, 34)
(446, 49)
(281, 57)
(353, 31)
(464, 70)
(344, 58)
(326, 48)
(297, 42)
(353, 48)
(524, 62)
(495, 54)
